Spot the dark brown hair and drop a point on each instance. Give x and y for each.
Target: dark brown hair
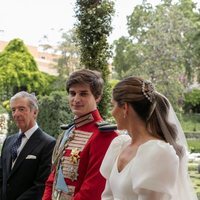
(151, 107)
(87, 77)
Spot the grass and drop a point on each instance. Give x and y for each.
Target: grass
(190, 122)
(191, 126)
(194, 145)
(195, 177)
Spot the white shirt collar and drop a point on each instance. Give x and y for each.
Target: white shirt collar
(29, 132)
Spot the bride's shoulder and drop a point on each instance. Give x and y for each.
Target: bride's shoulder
(158, 147)
(121, 138)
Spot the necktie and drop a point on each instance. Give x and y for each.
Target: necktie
(16, 145)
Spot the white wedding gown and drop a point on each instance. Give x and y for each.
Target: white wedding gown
(154, 168)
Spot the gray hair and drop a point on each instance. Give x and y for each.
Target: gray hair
(33, 103)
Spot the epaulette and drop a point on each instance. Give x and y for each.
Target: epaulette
(106, 127)
(66, 126)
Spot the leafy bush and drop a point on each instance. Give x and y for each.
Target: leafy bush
(54, 111)
(192, 101)
(2, 109)
(194, 145)
(113, 82)
(104, 105)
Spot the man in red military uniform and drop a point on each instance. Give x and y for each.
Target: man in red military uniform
(80, 149)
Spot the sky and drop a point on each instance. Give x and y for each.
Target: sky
(30, 20)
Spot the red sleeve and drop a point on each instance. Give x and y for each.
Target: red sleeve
(48, 187)
(93, 182)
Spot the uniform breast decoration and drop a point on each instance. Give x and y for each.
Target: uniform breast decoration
(76, 144)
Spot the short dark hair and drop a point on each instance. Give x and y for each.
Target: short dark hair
(90, 77)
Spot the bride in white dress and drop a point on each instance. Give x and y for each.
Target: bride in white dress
(150, 163)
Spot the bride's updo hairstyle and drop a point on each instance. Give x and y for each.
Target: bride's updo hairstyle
(151, 106)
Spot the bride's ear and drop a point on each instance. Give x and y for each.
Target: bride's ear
(125, 107)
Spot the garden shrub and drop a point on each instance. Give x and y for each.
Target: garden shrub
(192, 101)
(54, 111)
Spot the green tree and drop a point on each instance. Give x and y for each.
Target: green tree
(191, 46)
(19, 71)
(93, 28)
(125, 56)
(70, 56)
(160, 36)
(69, 59)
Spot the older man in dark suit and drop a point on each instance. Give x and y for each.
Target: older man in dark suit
(26, 156)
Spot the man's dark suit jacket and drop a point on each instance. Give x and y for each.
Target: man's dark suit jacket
(26, 180)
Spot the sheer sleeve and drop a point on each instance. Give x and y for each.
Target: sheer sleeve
(155, 171)
(108, 162)
(112, 153)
